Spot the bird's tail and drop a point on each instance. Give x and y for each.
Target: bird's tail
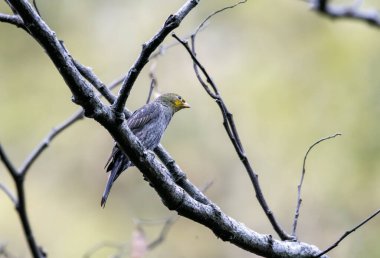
(117, 163)
(111, 178)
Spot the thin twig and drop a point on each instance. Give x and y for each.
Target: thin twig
(153, 82)
(78, 115)
(8, 193)
(299, 199)
(7, 162)
(348, 233)
(36, 7)
(164, 231)
(231, 130)
(11, 6)
(372, 17)
(47, 140)
(168, 222)
(215, 13)
(149, 47)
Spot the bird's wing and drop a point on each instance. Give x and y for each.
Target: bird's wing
(142, 116)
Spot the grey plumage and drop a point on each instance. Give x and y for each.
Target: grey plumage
(148, 124)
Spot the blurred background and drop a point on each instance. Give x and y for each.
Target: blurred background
(289, 76)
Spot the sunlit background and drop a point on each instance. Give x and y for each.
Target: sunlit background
(289, 76)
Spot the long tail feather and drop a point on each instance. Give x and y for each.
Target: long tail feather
(111, 179)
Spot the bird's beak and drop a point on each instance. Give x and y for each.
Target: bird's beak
(185, 105)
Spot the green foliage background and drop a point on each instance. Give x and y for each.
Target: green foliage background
(289, 76)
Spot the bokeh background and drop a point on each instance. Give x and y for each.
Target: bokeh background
(289, 76)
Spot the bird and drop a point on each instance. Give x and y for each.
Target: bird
(148, 124)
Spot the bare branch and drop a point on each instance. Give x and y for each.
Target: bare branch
(8, 193)
(105, 91)
(348, 233)
(12, 19)
(215, 13)
(171, 23)
(168, 222)
(20, 205)
(45, 142)
(231, 130)
(96, 82)
(299, 199)
(36, 7)
(372, 17)
(153, 82)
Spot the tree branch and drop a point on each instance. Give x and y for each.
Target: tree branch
(20, 205)
(348, 233)
(12, 19)
(369, 16)
(173, 196)
(148, 47)
(299, 200)
(8, 193)
(8, 164)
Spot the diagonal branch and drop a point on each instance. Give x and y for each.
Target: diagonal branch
(8, 193)
(299, 199)
(348, 233)
(231, 130)
(12, 19)
(215, 13)
(148, 47)
(47, 140)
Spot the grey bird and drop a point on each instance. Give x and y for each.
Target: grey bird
(148, 124)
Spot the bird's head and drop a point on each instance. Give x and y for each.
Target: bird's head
(173, 101)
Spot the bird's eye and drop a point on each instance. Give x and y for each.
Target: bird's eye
(179, 97)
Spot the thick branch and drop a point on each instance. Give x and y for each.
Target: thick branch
(175, 198)
(171, 23)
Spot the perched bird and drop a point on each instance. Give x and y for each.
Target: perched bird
(148, 124)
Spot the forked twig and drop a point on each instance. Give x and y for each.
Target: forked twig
(348, 233)
(20, 205)
(299, 199)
